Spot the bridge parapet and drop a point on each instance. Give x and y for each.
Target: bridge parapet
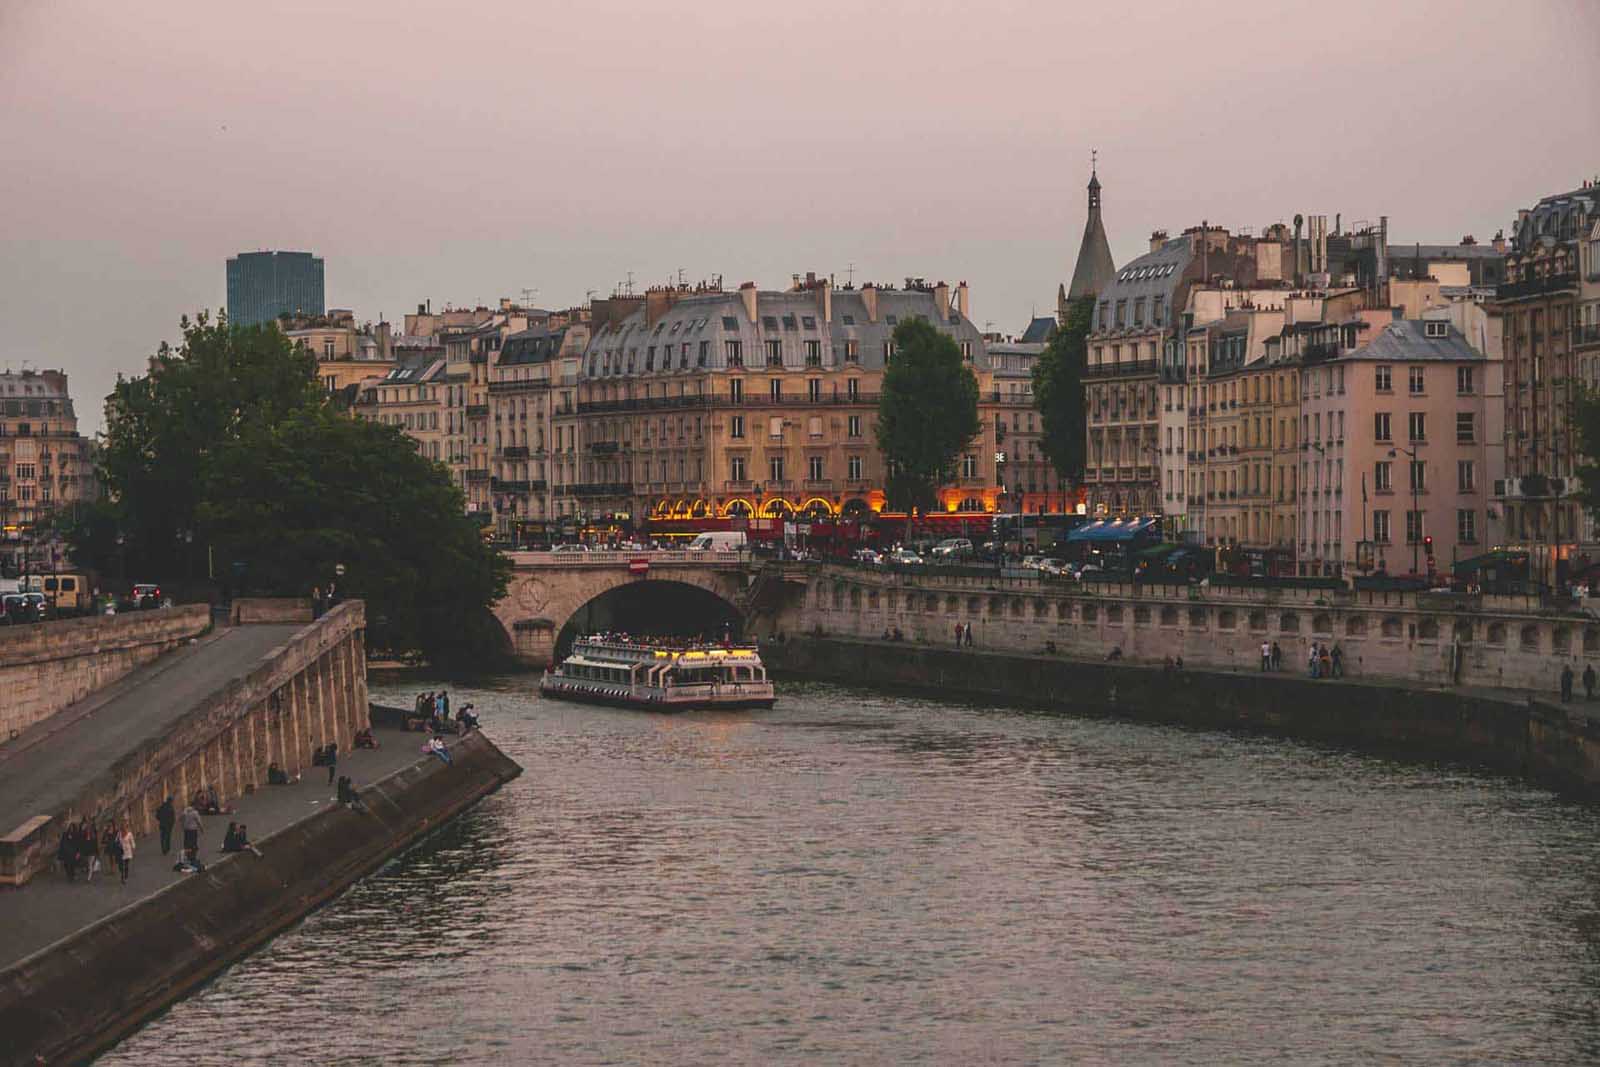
(612, 558)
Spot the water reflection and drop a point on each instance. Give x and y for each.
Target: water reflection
(856, 877)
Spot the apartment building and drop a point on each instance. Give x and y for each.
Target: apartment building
(533, 370)
(346, 353)
(45, 465)
(1393, 433)
(409, 399)
(699, 402)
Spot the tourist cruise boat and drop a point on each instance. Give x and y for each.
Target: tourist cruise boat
(634, 673)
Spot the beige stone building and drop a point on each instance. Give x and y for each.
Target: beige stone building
(346, 354)
(45, 465)
(534, 374)
(698, 402)
(409, 398)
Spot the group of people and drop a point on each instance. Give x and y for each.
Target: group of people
(205, 801)
(896, 634)
(1325, 662)
(237, 839)
(432, 714)
(84, 842)
(1588, 682)
(963, 635)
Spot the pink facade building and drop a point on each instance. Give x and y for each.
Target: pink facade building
(1393, 435)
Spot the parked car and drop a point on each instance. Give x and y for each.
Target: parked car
(145, 595)
(904, 557)
(1082, 569)
(867, 555)
(17, 609)
(1052, 567)
(1032, 562)
(952, 550)
(572, 546)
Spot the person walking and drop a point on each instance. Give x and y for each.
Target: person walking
(192, 826)
(1337, 661)
(332, 759)
(1588, 682)
(1266, 657)
(958, 635)
(165, 817)
(1315, 658)
(125, 851)
(67, 852)
(1277, 657)
(1566, 682)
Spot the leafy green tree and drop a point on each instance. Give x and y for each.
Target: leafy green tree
(1058, 391)
(293, 499)
(163, 427)
(927, 413)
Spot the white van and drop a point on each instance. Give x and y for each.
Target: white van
(719, 541)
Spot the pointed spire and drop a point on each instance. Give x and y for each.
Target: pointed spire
(1095, 268)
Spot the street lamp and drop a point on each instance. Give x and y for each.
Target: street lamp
(1416, 542)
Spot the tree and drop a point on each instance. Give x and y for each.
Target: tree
(230, 440)
(1058, 391)
(293, 499)
(927, 413)
(162, 428)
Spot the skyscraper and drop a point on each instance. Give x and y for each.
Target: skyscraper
(264, 285)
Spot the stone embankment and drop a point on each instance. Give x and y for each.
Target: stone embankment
(46, 666)
(1553, 745)
(78, 996)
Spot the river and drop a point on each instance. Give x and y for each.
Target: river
(858, 877)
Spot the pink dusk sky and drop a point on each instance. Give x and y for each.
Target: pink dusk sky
(461, 152)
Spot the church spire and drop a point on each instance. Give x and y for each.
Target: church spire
(1095, 268)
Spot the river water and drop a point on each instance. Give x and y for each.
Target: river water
(855, 877)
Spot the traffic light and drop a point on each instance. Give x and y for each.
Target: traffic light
(1427, 545)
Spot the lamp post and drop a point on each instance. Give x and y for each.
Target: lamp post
(1416, 542)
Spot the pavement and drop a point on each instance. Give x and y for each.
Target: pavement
(51, 762)
(49, 907)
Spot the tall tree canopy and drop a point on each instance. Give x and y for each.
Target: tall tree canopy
(230, 443)
(1058, 391)
(927, 413)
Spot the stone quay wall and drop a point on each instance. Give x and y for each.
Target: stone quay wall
(303, 694)
(1434, 638)
(46, 666)
(82, 994)
(1537, 741)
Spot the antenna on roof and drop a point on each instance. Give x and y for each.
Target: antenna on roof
(527, 296)
(628, 290)
(852, 275)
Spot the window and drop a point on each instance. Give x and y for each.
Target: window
(813, 353)
(736, 471)
(854, 467)
(769, 322)
(969, 466)
(1417, 425)
(1419, 476)
(1464, 427)
(852, 388)
(1380, 527)
(1104, 319)
(814, 468)
(814, 426)
(1380, 379)
(789, 323)
(1122, 313)
(1464, 383)
(775, 469)
(1436, 329)
(736, 426)
(888, 351)
(1466, 476)
(853, 426)
(775, 426)
(775, 389)
(852, 351)
(1380, 426)
(25, 471)
(1138, 311)
(814, 389)
(966, 351)
(774, 353)
(1382, 478)
(1467, 526)
(650, 358)
(1413, 527)
(734, 352)
(1155, 310)
(1416, 381)
(736, 391)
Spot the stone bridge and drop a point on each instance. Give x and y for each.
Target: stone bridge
(548, 588)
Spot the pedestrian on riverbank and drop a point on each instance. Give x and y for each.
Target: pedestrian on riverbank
(192, 826)
(1313, 660)
(1588, 682)
(969, 635)
(958, 635)
(67, 852)
(165, 817)
(125, 851)
(332, 759)
(1566, 682)
(1336, 660)
(1277, 657)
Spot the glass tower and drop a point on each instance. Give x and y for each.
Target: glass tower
(265, 285)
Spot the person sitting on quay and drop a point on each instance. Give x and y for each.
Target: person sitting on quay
(230, 838)
(348, 796)
(466, 721)
(1114, 655)
(364, 738)
(437, 747)
(275, 775)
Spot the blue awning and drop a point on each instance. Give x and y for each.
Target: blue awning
(1113, 530)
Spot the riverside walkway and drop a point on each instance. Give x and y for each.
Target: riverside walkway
(49, 907)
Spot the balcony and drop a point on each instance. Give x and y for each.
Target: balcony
(604, 448)
(477, 474)
(1556, 283)
(1586, 335)
(515, 452)
(819, 485)
(1121, 370)
(596, 489)
(476, 411)
(502, 485)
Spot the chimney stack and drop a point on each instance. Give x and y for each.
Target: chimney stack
(1499, 242)
(869, 297)
(941, 301)
(961, 301)
(747, 293)
(1157, 239)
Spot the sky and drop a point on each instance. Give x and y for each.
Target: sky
(462, 152)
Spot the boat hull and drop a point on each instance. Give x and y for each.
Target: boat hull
(616, 698)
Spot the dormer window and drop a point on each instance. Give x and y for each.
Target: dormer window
(1436, 329)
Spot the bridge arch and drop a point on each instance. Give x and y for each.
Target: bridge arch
(547, 605)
